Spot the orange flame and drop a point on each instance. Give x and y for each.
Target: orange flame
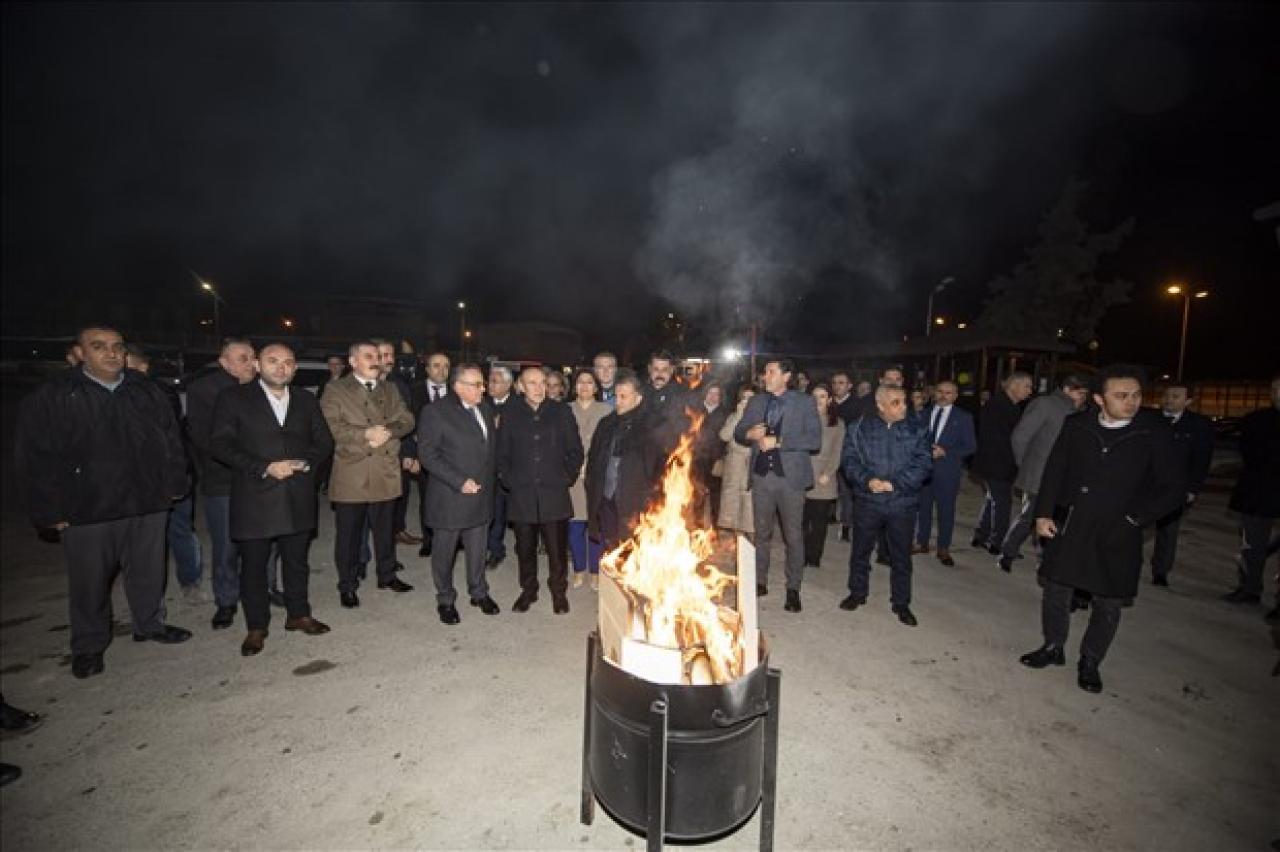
(664, 567)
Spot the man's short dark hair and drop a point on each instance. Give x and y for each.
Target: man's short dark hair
(1074, 381)
(844, 373)
(1119, 371)
(606, 354)
(279, 343)
(228, 342)
(97, 326)
(661, 355)
(628, 377)
(1184, 385)
(785, 365)
(895, 367)
(458, 370)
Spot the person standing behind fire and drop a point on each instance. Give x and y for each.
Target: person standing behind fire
(588, 411)
(783, 428)
(1110, 473)
(624, 464)
(735, 498)
(605, 368)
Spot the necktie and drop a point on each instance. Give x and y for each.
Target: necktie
(368, 386)
(933, 427)
(435, 393)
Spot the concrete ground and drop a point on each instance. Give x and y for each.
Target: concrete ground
(394, 731)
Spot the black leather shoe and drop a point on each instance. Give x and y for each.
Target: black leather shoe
(166, 635)
(882, 559)
(559, 604)
(277, 598)
(9, 773)
(905, 615)
(844, 533)
(448, 614)
(1088, 677)
(978, 543)
(349, 599)
(491, 562)
(1006, 564)
(223, 617)
(18, 721)
(1240, 596)
(487, 605)
(1160, 581)
(761, 590)
(852, 602)
(396, 585)
(86, 665)
(425, 550)
(994, 550)
(1046, 655)
(793, 601)
(523, 602)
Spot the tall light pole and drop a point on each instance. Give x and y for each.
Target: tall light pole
(1187, 295)
(217, 300)
(938, 288)
(462, 331)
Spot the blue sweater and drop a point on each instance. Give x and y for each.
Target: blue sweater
(899, 453)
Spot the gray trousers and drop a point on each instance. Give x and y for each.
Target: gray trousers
(93, 552)
(772, 497)
(444, 548)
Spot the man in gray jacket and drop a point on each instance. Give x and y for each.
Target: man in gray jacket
(1032, 440)
(782, 428)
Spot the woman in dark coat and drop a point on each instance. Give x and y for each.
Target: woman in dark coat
(1110, 473)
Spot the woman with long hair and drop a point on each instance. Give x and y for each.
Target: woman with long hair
(826, 466)
(588, 411)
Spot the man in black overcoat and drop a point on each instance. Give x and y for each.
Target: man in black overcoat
(1193, 444)
(273, 438)
(539, 457)
(1111, 472)
(994, 463)
(624, 465)
(1256, 497)
(457, 445)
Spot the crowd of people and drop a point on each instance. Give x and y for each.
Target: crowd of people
(113, 464)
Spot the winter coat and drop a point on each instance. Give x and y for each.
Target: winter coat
(668, 413)
(587, 419)
(539, 456)
(994, 460)
(799, 435)
(213, 477)
(898, 452)
(453, 448)
(1033, 437)
(1257, 491)
(735, 497)
(247, 437)
(826, 462)
(1193, 442)
(361, 473)
(640, 467)
(84, 454)
(1101, 486)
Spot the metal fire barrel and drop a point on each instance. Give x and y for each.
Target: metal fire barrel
(718, 741)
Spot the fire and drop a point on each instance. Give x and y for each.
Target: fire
(676, 594)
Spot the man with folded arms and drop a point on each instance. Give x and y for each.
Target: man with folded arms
(273, 439)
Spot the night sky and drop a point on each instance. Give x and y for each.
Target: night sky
(816, 168)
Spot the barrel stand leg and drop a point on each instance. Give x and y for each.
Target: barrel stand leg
(769, 791)
(657, 776)
(587, 813)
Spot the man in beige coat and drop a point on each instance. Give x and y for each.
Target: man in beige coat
(367, 417)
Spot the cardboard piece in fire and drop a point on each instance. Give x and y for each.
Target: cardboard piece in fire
(663, 615)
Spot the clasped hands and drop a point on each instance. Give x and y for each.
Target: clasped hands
(377, 436)
(759, 433)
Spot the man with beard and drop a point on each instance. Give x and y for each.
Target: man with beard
(624, 464)
(235, 367)
(367, 418)
(100, 459)
(667, 401)
(1110, 473)
(272, 438)
(457, 445)
(539, 458)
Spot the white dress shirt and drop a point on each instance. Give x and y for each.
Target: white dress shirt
(279, 404)
(475, 412)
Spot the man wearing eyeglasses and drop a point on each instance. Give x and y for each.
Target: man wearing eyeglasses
(457, 445)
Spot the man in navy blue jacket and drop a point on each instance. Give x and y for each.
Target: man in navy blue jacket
(886, 458)
(952, 439)
(1193, 444)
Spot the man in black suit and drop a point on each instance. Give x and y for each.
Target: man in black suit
(500, 386)
(1256, 497)
(457, 445)
(539, 458)
(1193, 443)
(410, 467)
(432, 389)
(846, 407)
(273, 438)
(994, 463)
(667, 400)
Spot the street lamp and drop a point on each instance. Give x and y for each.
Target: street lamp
(462, 331)
(1187, 295)
(938, 288)
(217, 300)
